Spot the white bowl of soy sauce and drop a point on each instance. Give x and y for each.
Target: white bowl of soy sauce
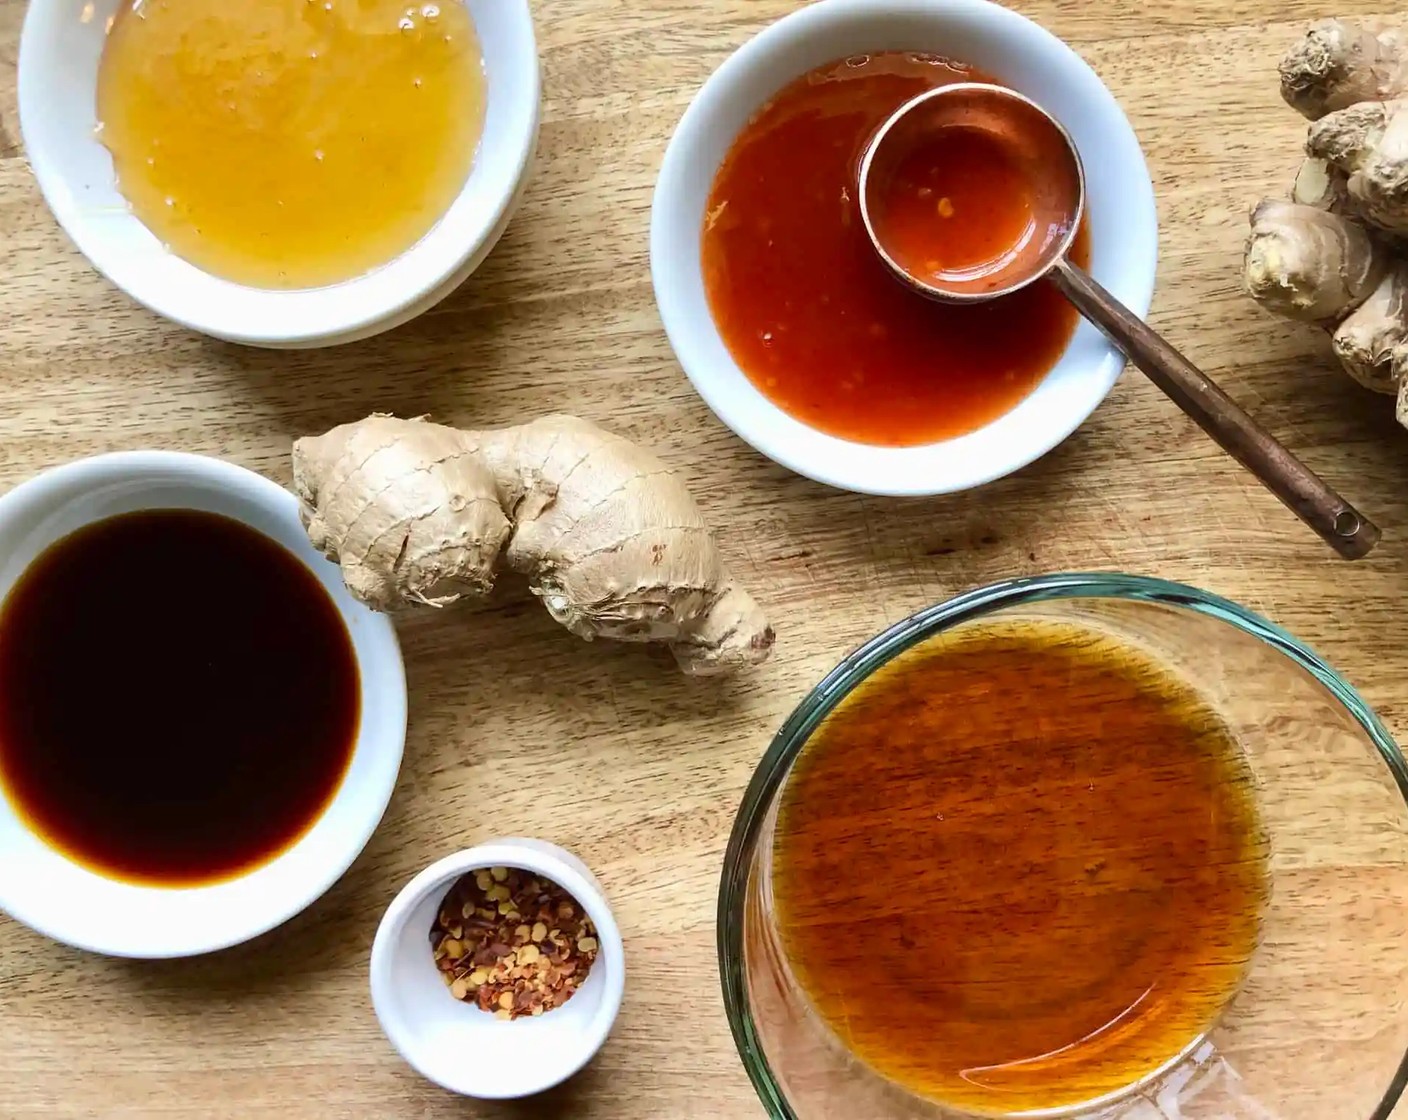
(200, 729)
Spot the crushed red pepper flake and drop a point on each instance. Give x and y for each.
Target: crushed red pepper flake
(512, 943)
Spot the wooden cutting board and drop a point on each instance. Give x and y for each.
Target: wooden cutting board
(518, 728)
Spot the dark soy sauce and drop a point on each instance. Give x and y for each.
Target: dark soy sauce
(1020, 867)
(179, 697)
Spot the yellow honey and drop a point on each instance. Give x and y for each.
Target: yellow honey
(291, 143)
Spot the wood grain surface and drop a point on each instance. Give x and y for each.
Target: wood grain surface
(518, 728)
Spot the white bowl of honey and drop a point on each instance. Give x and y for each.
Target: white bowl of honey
(289, 174)
(785, 319)
(1063, 846)
(200, 729)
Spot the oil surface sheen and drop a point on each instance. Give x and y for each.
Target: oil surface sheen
(1020, 867)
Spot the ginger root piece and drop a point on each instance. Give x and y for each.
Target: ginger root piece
(1307, 263)
(1369, 143)
(1400, 363)
(1336, 253)
(609, 538)
(1320, 184)
(1365, 342)
(1342, 62)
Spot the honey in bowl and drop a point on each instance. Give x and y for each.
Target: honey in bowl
(179, 698)
(1019, 867)
(291, 143)
(807, 308)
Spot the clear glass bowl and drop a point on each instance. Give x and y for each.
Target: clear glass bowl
(1319, 1029)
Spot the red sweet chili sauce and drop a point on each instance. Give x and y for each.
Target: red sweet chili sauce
(812, 315)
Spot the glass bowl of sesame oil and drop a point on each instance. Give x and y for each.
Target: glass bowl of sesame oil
(1077, 846)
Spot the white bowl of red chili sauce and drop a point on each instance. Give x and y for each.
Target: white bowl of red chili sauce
(785, 319)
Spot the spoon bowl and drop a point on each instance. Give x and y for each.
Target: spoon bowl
(1042, 154)
(1038, 218)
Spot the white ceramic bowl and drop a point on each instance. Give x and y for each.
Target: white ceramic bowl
(60, 49)
(48, 892)
(1123, 228)
(456, 1045)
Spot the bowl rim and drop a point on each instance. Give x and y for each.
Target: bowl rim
(889, 471)
(96, 472)
(297, 318)
(792, 736)
(525, 854)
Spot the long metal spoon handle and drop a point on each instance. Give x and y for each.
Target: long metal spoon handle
(1308, 496)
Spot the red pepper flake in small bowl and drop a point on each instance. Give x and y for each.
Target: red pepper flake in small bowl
(511, 942)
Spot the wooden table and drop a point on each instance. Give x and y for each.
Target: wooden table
(517, 727)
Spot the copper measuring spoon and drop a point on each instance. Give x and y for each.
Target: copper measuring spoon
(1057, 185)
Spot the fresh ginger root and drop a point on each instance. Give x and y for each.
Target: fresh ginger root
(609, 538)
(1340, 63)
(1336, 253)
(1307, 263)
(1322, 186)
(1368, 143)
(1367, 338)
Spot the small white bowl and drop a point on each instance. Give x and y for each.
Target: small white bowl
(60, 48)
(453, 1043)
(1123, 226)
(45, 890)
